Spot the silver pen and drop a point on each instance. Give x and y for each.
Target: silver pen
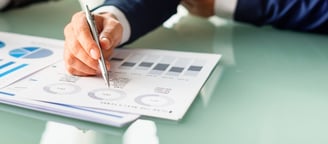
(94, 31)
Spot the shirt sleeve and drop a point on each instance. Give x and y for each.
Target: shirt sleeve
(121, 18)
(225, 8)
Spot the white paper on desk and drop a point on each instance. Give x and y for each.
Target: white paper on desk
(22, 55)
(8, 96)
(148, 82)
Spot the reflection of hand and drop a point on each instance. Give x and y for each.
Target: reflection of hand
(203, 8)
(81, 53)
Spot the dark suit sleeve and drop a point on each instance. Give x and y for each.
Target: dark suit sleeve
(302, 15)
(21, 3)
(145, 15)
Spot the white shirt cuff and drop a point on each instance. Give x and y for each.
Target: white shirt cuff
(121, 18)
(3, 4)
(225, 8)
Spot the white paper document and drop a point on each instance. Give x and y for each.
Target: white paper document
(117, 119)
(23, 55)
(8, 96)
(21, 59)
(155, 83)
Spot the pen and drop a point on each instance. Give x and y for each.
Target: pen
(95, 36)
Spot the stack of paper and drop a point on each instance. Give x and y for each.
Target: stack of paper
(22, 57)
(146, 82)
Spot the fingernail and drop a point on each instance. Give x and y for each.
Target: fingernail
(107, 43)
(93, 54)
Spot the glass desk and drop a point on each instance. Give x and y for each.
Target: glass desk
(270, 87)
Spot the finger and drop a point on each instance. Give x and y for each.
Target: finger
(111, 32)
(107, 54)
(75, 50)
(110, 36)
(77, 72)
(84, 36)
(75, 66)
(107, 65)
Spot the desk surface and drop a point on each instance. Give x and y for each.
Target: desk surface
(271, 87)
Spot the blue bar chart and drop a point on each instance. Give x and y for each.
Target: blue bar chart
(9, 67)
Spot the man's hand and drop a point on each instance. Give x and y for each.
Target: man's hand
(81, 53)
(202, 8)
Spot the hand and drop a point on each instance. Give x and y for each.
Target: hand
(203, 8)
(81, 53)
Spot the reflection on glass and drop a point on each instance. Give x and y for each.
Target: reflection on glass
(222, 44)
(181, 11)
(57, 133)
(223, 40)
(141, 132)
(211, 84)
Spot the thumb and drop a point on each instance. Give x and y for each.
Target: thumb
(111, 33)
(110, 36)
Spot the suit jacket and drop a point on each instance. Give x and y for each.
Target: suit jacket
(21, 3)
(302, 15)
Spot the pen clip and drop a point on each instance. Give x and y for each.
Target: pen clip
(92, 25)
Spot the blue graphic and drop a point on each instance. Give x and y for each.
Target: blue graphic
(30, 53)
(12, 68)
(6, 64)
(2, 44)
(8, 94)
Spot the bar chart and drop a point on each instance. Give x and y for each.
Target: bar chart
(157, 65)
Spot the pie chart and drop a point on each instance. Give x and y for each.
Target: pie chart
(30, 52)
(2, 44)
